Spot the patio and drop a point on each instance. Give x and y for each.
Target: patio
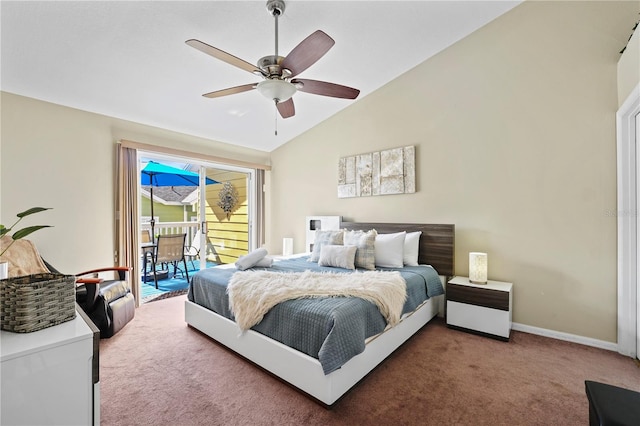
(169, 286)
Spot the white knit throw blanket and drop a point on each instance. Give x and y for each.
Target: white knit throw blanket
(253, 293)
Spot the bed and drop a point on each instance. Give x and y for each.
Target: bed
(325, 380)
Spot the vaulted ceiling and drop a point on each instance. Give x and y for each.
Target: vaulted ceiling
(129, 60)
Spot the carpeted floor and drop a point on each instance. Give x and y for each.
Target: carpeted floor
(159, 371)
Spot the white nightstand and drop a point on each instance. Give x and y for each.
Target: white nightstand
(483, 308)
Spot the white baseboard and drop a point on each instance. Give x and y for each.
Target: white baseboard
(565, 336)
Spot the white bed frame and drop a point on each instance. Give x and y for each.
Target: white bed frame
(305, 372)
(299, 369)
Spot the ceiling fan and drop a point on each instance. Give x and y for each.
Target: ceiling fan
(278, 72)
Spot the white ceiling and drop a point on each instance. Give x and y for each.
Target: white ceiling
(129, 59)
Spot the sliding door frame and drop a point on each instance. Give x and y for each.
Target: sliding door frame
(252, 199)
(203, 165)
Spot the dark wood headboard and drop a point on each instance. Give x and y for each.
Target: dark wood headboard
(437, 242)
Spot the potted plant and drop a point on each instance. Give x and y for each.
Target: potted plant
(21, 233)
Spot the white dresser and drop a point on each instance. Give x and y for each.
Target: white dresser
(50, 376)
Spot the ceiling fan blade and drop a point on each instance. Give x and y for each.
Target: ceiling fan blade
(286, 108)
(223, 56)
(307, 52)
(230, 91)
(325, 89)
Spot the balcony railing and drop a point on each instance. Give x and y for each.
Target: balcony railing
(223, 245)
(165, 228)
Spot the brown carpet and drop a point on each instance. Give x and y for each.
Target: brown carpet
(159, 371)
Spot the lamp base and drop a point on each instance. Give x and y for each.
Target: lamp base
(477, 282)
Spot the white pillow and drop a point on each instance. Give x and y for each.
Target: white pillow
(337, 256)
(411, 248)
(390, 250)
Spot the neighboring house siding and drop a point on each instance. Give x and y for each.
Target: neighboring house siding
(228, 236)
(166, 213)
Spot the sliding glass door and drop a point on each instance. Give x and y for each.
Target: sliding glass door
(216, 213)
(226, 214)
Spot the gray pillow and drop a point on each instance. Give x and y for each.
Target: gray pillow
(337, 256)
(322, 238)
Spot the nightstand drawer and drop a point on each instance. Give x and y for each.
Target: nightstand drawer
(485, 297)
(485, 320)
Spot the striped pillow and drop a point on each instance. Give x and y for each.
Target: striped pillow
(365, 242)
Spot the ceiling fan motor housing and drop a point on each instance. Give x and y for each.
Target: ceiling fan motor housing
(270, 65)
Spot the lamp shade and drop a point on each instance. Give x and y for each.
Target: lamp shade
(279, 90)
(478, 267)
(287, 246)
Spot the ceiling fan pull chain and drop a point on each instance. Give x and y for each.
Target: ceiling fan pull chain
(276, 118)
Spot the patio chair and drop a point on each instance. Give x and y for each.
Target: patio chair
(146, 252)
(170, 251)
(193, 251)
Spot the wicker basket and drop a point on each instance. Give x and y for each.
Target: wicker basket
(34, 302)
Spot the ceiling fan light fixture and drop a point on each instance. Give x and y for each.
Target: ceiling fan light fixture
(278, 90)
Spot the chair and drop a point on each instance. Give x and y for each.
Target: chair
(170, 250)
(109, 303)
(146, 251)
(193, 251)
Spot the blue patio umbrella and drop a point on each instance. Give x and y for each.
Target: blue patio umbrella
(156, 174)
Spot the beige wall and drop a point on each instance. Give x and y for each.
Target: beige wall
(629, 68)
(64, 158)
(514, 129)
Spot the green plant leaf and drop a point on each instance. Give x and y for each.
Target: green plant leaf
(4, 230)
(32, 210)
(28, 230)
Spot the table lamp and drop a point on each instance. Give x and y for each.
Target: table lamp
(478, 265)
(287, 246)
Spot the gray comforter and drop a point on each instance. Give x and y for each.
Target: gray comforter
(331, 329)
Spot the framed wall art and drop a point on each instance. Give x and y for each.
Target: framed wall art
(392, 171)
